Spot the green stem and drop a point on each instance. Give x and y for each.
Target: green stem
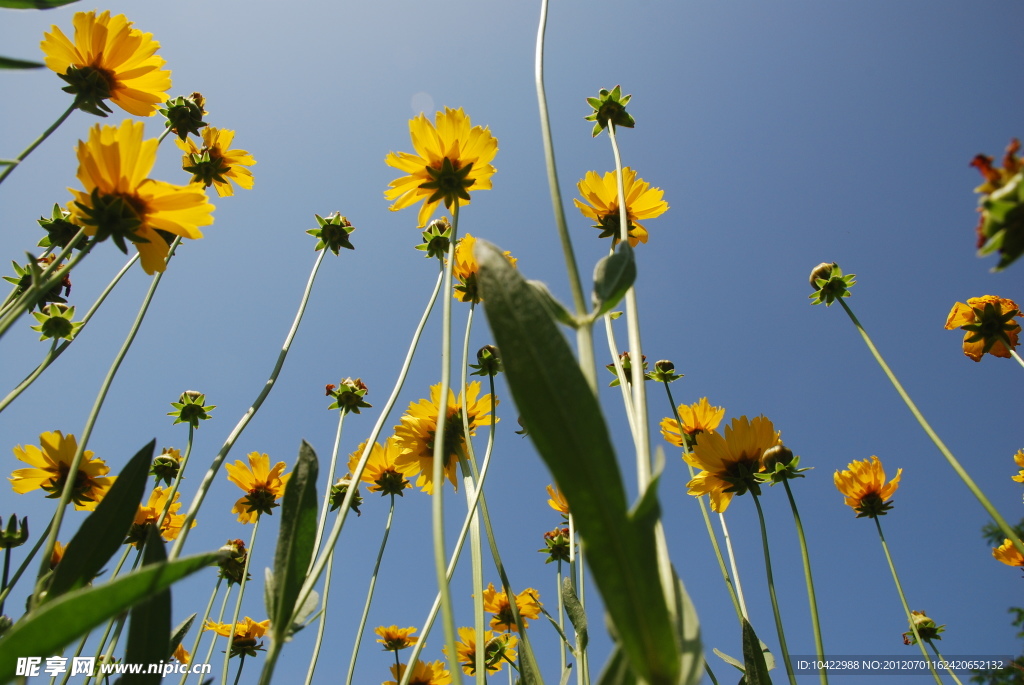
(707, 669)
(771, 591)
(996, 516)
(202, 624)
(220, 621)
(938, 655)
(238, 599)
(326, 507)
(241, 661)
(812, 601)
(1020, 361)
(7, 568)
(903, 600)
(561, 621)
(204, 487)
(620, 373)
(177, 479)
(12, 163)
(732, 564)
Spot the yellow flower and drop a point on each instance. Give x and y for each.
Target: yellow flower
(119, 202)
(989, 323)
(149, 513)
(216, 163)
(728, 464)
(452, 157)
(57, 555)
(244, 635)
(382, 473)
(1008, 554)
(109, 59)
(415, 434)
(181, 654)
(602, 203)
(263, 485)
(423, 673)
(1019, 458)
(558, 501)
(697, 418)
(50, 467)
(865, 488)
(394, 638)
(498, 604)
(466, 268)
(497, 648)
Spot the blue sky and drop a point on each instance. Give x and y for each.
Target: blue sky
(783, 135)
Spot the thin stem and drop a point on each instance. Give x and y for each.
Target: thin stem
(241, 657)
(220, 621)
(732, 564)
(12, 163)
(620, 373)
(204, 487)
(903, 600)
(968, 481)
(771, 591)
(942, 659)
(177, 479)
(326, 507)
(561, 621)
(7, 568)
(202, 623)
(1020, 361)
(238, 599)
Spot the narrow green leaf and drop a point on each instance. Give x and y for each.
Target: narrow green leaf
(613, 276)
(616, 671)
(577, 616)
(179, 633)
(294, 541)
(102, 533)
(554, 307)
(149, 627)
(12, 63)
(756, 670)
(65, 619)
(732, 661)
(34, 4)
(688, 634)
(570, 434)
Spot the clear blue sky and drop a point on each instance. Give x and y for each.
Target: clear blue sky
(783, 136)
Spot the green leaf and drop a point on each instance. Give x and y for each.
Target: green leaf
(149, 629)
(616, 671)
(756, 669)
(60, 622)
(554, 307)
(613, 276)
(102, 533)
(11, 63)
(570, 434)
(735, 663)
(688, 635)
(34, 4)
(294, 542)
(577, 615)
(179, 633)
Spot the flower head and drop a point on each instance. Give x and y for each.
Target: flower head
(415, 434)
(149, 514)
(185, 115)
(423, 673)
(394, 638)
(989, 323)
(216, 163)
(348, 395)
(497, 648)
(332, 232)
(466, 268)
(497, 603)
(1001, 225)
(730, 462)
(16, 533)
(166, 465)
(108, 59)
(1008, 554)
(382, 473)
(56, 321)
(926, 629)
(232, 564)
(191, 408)
(601, 204)
(609, 108)
(697, 418)
(120, 203)
(829, 283)
(245, 634)
(557, 545)
(51, 463)
(181, 655)
(340, 490)
(263, 485)
(557, 501)
(452, 157)
(1019, 458)
(865, 488)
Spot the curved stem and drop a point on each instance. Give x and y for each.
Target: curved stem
(213, 642)
(12, 163)
(771, 591)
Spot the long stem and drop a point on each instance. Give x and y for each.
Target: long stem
(326, 507)
(238, 599)
(12, 163)
(812, 601)
(732, 565)
(202, 623)
(204, 487)
(938, 655)
(903, 600)
(1020, 361)
(771, 591)
(177, 479)
(968, 481)
(213, 641)
(561, 621)
(241, 661)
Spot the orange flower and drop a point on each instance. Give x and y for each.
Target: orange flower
(989, 323)
(865, 488)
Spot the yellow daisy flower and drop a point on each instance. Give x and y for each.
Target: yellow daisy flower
(415, 434)
(601, 204)
(466, 268)
(497, 603)
(989, 322)
(394, 638)
(216, 163)
(865, 488)
(149, 513)
(558, 501)
(263, 485)
(382, 473)
(497, 648)
(697, 418)
(245, 634)
(728, 463)
(1008, 554)
(1019, 458)
(109, 59)
(452, 157)
(119, 202)
(423, 673)
(51, 463)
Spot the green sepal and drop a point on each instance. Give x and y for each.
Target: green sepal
(614, 275)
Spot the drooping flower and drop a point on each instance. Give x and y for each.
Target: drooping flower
(216, 163)
(557, 501)
(423, 673)
(149, 514)
(51, 463)
(121, 203)
(1019, 458)
(730, 462)
(496, 602)
(697, 418)
(865, 488)
(497, 648)
(989, 323)
(466, 268)
(452, 158)
(263, 485)
(108, 59)
(415, 434)
(394, 638)
(245, 634)
(382, 473)
(601, 203)
(1007, 553)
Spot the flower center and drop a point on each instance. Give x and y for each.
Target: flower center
(449, 183)
(90, 85)
(118, 216)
